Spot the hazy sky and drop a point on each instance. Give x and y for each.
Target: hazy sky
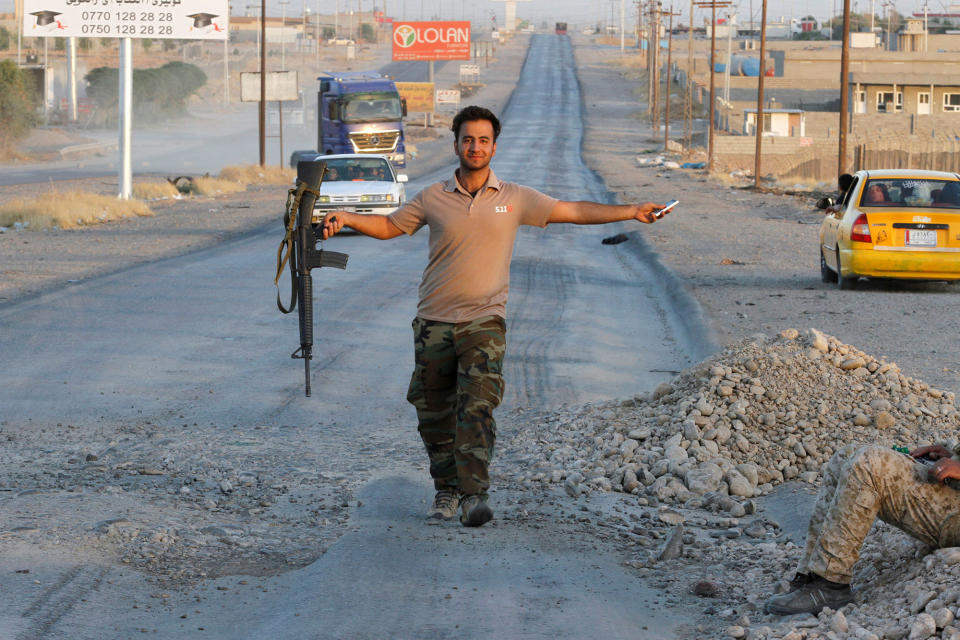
(573, 11)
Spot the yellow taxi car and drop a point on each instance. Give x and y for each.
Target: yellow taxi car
(893, 224)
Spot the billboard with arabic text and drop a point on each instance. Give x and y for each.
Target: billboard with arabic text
(179, 19)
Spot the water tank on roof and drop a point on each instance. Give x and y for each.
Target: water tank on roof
(740, 66)
(750, 67)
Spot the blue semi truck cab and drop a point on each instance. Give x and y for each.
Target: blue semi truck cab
(360, 112)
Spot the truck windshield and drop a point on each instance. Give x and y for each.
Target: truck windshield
(371, 107)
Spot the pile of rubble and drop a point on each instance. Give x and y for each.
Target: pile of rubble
(697, 453)
(761, 412)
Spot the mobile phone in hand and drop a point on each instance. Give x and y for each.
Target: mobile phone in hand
(670, 205)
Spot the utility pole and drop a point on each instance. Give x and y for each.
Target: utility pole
(648, 20)
(758, 129)
(726, 75)
(688, 94)
(622, 23)
(283, 34)
(639, 25)
(712, 4)
(666, 93)
(18, 18)
(844, 89)
(263, 84)
(643, 34)
(653, 64)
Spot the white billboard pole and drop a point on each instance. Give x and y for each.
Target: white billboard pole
(72, 77)
(126, 116)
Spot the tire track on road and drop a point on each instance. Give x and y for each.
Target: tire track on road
(58, 599)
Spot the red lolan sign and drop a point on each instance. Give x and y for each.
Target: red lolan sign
(431, 41)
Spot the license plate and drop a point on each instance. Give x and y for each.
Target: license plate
(921, 238)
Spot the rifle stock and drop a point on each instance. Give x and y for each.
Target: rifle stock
(303, 254)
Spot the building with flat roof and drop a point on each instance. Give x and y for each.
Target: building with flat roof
(878, 92)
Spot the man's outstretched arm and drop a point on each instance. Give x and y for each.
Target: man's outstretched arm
(373, 225)
(584, 212)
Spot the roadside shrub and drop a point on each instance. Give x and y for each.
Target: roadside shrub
(255, 174)
(206, 186)
(17, 109)
(155, 190)
(69, 210)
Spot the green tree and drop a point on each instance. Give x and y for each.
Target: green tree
(18, 112)
(158, 93)
(329, 33)
(367, 33)
(4, 38)
(858, 22)
(146, 43)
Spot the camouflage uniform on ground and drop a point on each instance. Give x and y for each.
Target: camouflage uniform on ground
(456, 384)
(863, 483)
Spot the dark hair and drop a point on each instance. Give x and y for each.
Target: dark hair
(468, 114)
(844, 181)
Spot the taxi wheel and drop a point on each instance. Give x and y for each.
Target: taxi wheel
(843, 282)
(826, 274)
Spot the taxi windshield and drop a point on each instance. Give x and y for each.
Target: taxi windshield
(358, 170)
(911, 192)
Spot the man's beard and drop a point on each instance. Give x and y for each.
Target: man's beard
(467, 167)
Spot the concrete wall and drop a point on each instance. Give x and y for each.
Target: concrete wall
(937, 124)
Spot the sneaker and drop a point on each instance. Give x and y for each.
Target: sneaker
(811, 597)
(475, 511)
(444, 505)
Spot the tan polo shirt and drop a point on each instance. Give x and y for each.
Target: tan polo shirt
(471, 244)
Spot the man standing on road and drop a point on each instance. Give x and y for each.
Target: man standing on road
(460, 330)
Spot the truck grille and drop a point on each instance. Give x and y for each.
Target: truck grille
(375, 141)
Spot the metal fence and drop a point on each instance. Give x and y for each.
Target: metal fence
(819, 163)
(908, 153)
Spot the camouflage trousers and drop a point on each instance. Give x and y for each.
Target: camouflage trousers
(456, 384)
(863, 483)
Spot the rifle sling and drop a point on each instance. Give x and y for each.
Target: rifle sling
(291, 218)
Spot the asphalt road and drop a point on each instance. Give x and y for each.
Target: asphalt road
(199, 337)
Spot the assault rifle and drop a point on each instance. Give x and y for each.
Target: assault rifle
(303, 255)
